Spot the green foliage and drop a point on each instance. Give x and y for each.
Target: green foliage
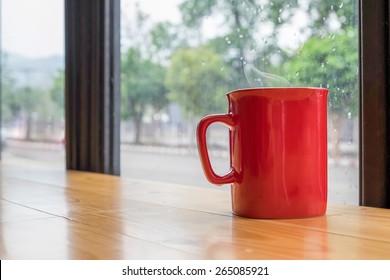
(332, 62)
(321, 14)
(329, 57)
(142, 84)
(34, 104)
(35, 101)
(242, 54)
(196, 80)
(239, 23)
(9, 104)
(41, 102)
(163, 36)
(193, 12)
(142, 87)
(57, 95)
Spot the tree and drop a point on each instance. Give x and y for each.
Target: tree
(165, 39)
(142, 87)
(197, 81)
(9, 105)
(319, 18)
(320, 13)
(253, 32)
(238, 35)
(57, 95)
(32, 104)
(143, 71)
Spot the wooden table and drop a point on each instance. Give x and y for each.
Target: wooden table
(49, 213)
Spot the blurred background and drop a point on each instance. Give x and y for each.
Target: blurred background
(179, 58)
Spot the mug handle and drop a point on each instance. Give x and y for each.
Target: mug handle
(212, 177)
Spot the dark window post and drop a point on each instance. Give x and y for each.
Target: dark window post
(92, 85)
(374, 105)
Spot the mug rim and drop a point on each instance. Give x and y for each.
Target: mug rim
(277, 88)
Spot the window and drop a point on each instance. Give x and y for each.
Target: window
(178, 64)
(32, 82)
(200, 33)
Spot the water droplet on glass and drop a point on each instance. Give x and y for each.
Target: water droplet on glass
(203, 63)
(331, 7)
(332, 37)
(241, 58)
(297, 73)
(241, 36)
(280, 11)
(333, 49)
(322, 65)
(341, 5)
(349, 115)
(279, 19)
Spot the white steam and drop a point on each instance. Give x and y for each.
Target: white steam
(257, 78)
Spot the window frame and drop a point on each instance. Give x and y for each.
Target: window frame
(374, 104)
(92, 85)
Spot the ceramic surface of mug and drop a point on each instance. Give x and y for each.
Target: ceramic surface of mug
(278, 151)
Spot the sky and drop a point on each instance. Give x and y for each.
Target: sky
(32, 28)
(36, 28)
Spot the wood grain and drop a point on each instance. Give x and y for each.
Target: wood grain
(53, 214)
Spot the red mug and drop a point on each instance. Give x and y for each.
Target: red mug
(278, 152)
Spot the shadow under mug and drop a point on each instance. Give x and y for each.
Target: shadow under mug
(278, 152)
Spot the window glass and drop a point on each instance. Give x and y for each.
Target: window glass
(179, 59)
(32, 80)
